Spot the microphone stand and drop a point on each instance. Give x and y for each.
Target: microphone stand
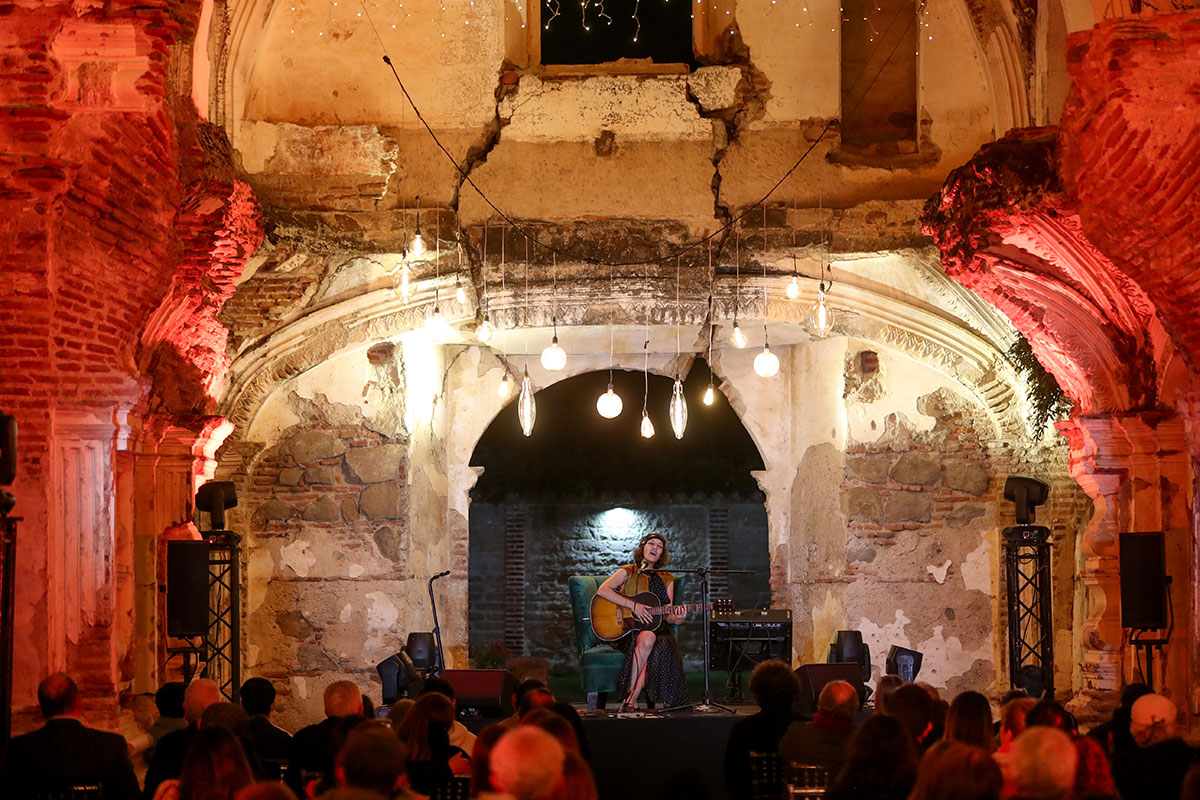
(704, 572)
(440, 664)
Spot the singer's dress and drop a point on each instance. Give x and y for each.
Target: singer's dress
(665, 685)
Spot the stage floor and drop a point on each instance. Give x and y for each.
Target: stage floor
(680, 754)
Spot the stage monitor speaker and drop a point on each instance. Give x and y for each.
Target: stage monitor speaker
(903, 662)
(813, 678)
(1143, 580)
(187, 588)
(8, 449)
(489, 692)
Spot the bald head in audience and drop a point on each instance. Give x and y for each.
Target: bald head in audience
(198, 696)
(840, 699)
(527, 763)
(1152, 720)
(1041, 765)
(343, 698)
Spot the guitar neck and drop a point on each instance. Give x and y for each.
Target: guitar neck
(688, 607)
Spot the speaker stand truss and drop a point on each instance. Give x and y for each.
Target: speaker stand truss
(1030, 629)
(224, 637)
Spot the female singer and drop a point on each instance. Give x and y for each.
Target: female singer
(652, 659)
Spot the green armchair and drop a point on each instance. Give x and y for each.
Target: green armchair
(599, 662)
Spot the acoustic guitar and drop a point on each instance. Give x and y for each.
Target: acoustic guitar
(611, 622)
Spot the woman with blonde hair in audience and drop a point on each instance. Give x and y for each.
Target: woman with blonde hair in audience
(954, 770)
(969, 720)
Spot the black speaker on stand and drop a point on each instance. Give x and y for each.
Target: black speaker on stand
(1146, 594)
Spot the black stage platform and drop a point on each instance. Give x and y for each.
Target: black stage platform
(681, 754)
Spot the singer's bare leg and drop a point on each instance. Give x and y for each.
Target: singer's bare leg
(641, 655)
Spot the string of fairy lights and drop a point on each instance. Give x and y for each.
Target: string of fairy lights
(554, 356)
(339, 11)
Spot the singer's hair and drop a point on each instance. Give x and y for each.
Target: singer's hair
(666, 553)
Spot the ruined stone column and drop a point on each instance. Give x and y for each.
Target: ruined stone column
(1133, 466)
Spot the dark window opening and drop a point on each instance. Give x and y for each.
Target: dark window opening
(595, 32)
(879, 71)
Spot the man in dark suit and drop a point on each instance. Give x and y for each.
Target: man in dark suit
(271, 743)
(65, 753)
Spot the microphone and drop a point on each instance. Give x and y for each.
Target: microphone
(440, 575)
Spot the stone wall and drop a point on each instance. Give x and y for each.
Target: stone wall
(565, 538)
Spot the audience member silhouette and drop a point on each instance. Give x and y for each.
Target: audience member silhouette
(913, 707)
(823, 741)
(1052, 715)
(425, 732)
(554, 725)
(881, 762)
(568, 712)
(169, 702)
(168, 757)
(955, 770)
(527, 763)
(1155, 769)
(460, 737)
(271, 743)
(775, 690)
(885, 687)
(64, 752)
(1191, 784)
(312, 752)
(268, 790)
(1041, 764)
(481, 763)
(372, 758)
(215, 768)
(234, 718)
(1114, 735)
(577, 782)
(969, 720)
(397, 711)
(1093, 774)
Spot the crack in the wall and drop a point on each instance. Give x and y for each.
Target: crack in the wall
(730, 122)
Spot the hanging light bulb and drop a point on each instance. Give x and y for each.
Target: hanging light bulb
(460, 294)
(417, 249)
(526, 407)
(709, 395)
(435, 321)
(793, 288)
(766, 363)
(554, 358)
(738, 338)
(484, 330)
(404, 283)
(505, 387)
(647, 425)
(678, 410)
(609, 404)
(822, 315)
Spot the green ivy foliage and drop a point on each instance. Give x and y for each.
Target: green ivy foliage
(1047, 399)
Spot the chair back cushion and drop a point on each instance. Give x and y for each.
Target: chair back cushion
(582, 589)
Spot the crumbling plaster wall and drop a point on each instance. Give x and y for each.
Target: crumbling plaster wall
(648, 146)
